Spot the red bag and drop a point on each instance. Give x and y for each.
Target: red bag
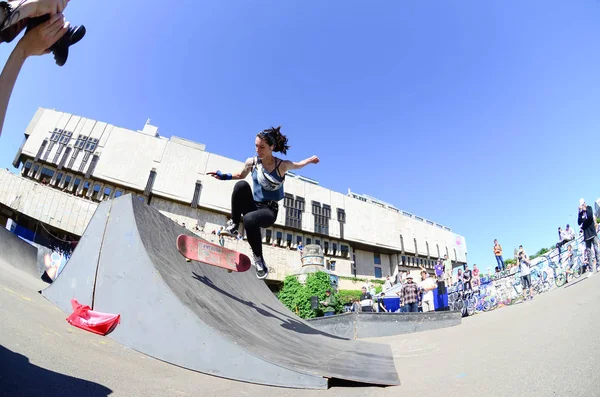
(85, 318)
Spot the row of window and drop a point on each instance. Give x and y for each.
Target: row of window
(67, 182)
(294, 207)
(329, 248)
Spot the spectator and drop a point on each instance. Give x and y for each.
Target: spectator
(524, 267)
(439, 274)
(409, 295)
(498, 254)
(381, 304)
(329, 303)
(467, 277)
(427, 285)
(476, 280)
(587, 222)
(387, 284)
(366, 300)
(448, 270)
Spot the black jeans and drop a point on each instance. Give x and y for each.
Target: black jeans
(256, 214)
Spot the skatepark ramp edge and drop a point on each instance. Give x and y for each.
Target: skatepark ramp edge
(199, 316)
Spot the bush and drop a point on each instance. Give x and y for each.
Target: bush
(296, 296)
(345, 296)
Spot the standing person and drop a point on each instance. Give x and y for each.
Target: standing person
(329, 303)
(259, 205)
(498, 255)
(427, 285)
(524, 267)
(476, 279)
(467, 277)
(410, 295)
(587, 222)
(439, 274)
(448, 270)
(366, 300)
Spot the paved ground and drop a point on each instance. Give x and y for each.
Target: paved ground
(546, 347)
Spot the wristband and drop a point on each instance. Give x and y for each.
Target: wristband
(222, 176)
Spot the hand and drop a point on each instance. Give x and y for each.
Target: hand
(38, 40)
(219, 175)
(43, 7)
(313, 160)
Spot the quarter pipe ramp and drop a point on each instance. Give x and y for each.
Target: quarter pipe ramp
(201, 317)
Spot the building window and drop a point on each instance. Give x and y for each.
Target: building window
(196, 197)
(66, 136)
(334, 248)
(321, 221)
(80, 143)
(326, 246)
(293, 215)
(377, 272)
(341, 215)
(55, 135)
(308, 241)
(288, 238)
(332, 266)
(268, 236)
(279, 238)
(345, 250)
(318, 242)
(403, 260)
(118, 193)
(47, 173)
(377, 258)
(298, 239)
(67, 181)
(107, 192)
(76, 184)
(59, 177)
(86, 188)
(327, 211)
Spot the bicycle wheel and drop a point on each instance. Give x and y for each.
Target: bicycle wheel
(560, 279)
(577, 271)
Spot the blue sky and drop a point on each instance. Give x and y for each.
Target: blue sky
(481, 115)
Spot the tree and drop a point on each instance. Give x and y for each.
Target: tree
(296, 296)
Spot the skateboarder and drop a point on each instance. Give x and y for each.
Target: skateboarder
(259, 205)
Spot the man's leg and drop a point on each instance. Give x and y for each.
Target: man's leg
(588, 256)
(596, 246)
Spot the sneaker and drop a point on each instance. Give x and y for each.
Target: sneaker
(231, 228)
(261, 267)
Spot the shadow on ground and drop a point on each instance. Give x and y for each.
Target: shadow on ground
(20, 378)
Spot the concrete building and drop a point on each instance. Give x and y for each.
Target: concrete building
(69, 163)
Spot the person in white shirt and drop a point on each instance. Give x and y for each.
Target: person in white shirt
(525, 268)
(388, 284)
(427, 285)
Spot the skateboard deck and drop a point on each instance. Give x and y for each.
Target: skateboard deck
(197, 249)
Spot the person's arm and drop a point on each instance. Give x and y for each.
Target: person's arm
(30, 9)
(35, 42)
(240, 175)
(288, 165)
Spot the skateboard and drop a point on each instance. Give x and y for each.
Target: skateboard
(200, 250)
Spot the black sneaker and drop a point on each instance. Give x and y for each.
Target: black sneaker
(231, 228)
(262, 270)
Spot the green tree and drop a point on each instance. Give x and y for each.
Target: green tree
(296, 296)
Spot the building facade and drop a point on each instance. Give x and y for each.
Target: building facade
(68, 164)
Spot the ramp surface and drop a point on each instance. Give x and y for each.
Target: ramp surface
(18, 253)
(198, 316)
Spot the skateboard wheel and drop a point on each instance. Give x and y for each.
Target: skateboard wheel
(188, 260)
(229, 271)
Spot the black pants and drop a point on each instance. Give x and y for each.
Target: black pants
(256, 215)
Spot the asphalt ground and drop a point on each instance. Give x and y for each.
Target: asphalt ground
(544, 347)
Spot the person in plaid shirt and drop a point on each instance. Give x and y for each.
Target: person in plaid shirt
(409, 295)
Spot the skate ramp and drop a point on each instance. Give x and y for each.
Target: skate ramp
(18, 253)
(201, 317)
